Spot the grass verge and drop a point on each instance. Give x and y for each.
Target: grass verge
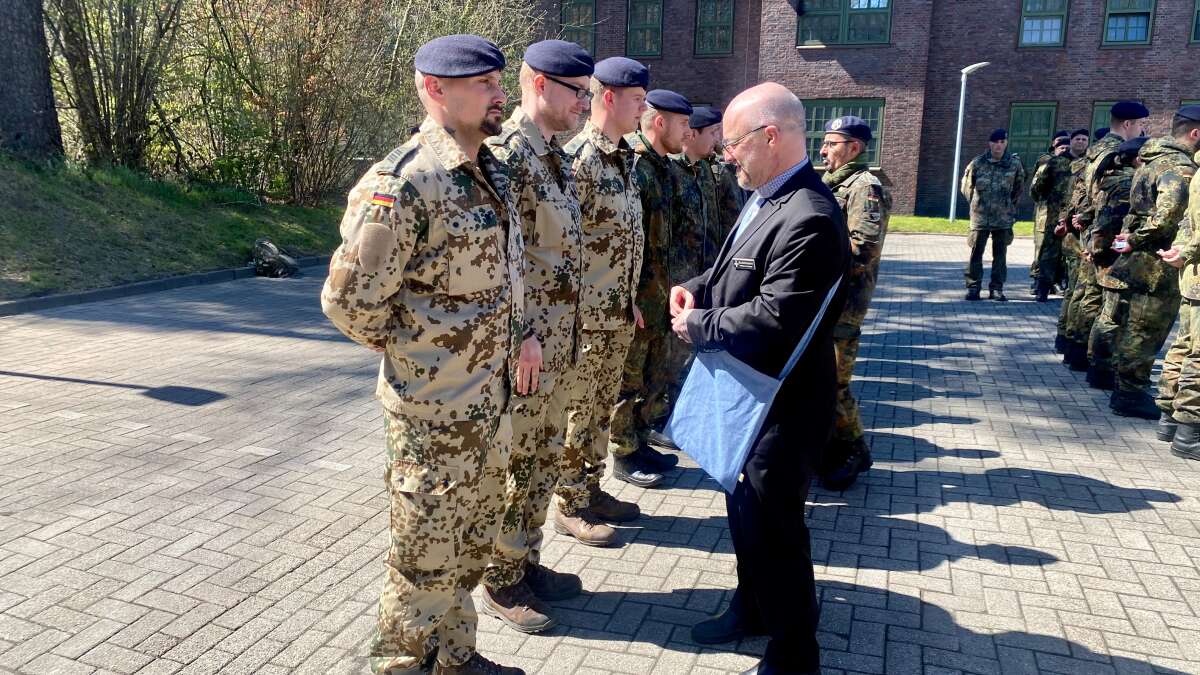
(1022, 228)
(64, 228)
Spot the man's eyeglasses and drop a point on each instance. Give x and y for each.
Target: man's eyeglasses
(581, 94)
(728, 145)
(830, 144)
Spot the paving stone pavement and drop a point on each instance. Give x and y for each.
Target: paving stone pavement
(191, 482)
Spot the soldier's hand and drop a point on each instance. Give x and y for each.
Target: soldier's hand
(1120, 243)
(681, 299)
(1060, 230)
(679, 325)
(1172, 256)
(1076, 222)
(637, 317)
(529, 366)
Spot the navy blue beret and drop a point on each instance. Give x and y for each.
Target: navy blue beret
(1129, 110)
(1060, 141)
(1100, 133)
(618, 71)
(998, 135)
(850, 126)
(1132, 145)
(1062, 133)
(665, 100)
(704, 116)
(1190, 112)
(559, 57)
(458, 56)
(1080, 132)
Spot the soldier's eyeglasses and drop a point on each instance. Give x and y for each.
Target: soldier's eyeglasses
(581, 94)
(830, 144)
(728, 145)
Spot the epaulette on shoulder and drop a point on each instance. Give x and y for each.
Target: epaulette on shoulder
(396, 159)
(502, 137)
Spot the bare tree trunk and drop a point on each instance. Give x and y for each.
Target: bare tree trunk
(28, 118)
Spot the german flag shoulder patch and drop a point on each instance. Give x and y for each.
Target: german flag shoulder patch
(384, 200)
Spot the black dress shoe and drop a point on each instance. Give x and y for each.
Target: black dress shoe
(724, 627)
(634, 472)
(1134, 404)
(661, 440)
(654, 460)
(997, 295)
(972, 294)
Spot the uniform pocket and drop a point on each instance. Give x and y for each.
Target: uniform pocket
(425, 520)
(475, 258)
(548, 227)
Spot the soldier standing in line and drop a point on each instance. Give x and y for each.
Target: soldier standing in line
(1087, 297)
(730, 196)
(1042, 235)
(429, 274)
(650, 369)
(1157, 201)
(554, 95)
(1049, 191)
(1179, 385)
(699, 237)
(865, 203)
(992, 184)
(613, 243)
(1111, 199)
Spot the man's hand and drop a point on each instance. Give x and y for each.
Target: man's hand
(637, 317)
(1172, 256)
(681, 299)
(1121, 243)
(529, 366)
(1060, 230)
(1076, 222)
(679, 325)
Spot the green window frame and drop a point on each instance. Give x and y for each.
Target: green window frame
(1030, 129)
(643, 28)
(1043, 23)
(845, 22)
(817, 112)
(1101, 115)
(1196, 23)
(578, 21)
(714, 28)
(1128, 22)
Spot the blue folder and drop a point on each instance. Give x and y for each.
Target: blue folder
(723, 404)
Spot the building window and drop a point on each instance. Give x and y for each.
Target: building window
(714, 27)
(1127, 22)
(579, 23)
(644, 32)
(1101, 114)
(845, 22)
(1043, 23)
(1196, 23)
(1030, 129)
(819, 111)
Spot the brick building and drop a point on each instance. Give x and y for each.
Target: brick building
(1056, 64)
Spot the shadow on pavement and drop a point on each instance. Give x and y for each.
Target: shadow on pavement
(189, 396)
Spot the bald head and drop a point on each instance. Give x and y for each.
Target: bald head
(766, 126)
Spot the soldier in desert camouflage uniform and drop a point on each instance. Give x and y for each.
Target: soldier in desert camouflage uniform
(865, 204)
(992, 183)
(554, 94)
(429, 274)
(613, 241)
(1157, 201)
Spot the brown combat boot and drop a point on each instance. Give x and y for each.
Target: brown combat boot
(586, 527)
(518, 608)
(476, 665)
(610, 509)
(547, 584)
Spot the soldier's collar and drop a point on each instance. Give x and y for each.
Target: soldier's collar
(647, 148)
(531, 132)
(435, 137)
(602, 142)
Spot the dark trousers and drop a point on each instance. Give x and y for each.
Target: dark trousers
(978, 240)
(776, 588)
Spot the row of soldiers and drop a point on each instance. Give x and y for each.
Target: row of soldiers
(1117, 215)
(517, 289)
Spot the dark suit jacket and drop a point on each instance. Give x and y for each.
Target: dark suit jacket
(799, 248)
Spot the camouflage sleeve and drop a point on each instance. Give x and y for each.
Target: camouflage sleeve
(1039, 186)
(512, 161)
(1080, 201)
(384, 219)
(866, 216)
(1018, 182)
(1188, 238)
(967, 186)
(1170, 203)
(584, 167)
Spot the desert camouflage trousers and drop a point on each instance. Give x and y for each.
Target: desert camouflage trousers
(1136, 325)
(539, 423)
(445, 481)
(585, 448)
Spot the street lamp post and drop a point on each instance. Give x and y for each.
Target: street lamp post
(962, 104)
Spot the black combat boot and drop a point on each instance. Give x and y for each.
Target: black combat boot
(997, 294)
(1187, 442)
(1167, 428)
(1101, 378)
(1134, 404)
(1034, 286)
(972, 294)
(1076, 357)
(1060, 344)
(855, 458)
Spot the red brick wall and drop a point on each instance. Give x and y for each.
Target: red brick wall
(894, 72)
(1074, 76)
(705, 79)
